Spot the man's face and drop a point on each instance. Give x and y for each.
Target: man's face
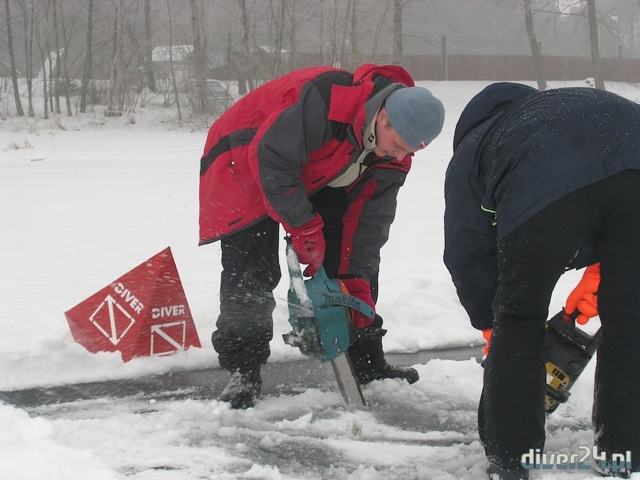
(388, 142)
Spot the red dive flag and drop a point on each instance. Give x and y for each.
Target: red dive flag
(142, 313)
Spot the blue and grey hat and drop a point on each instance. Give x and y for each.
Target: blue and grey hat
(416, 115)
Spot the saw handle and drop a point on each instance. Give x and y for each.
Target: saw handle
(327, 292)
(324, 291)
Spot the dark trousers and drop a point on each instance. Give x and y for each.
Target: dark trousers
(250, 273)
(531, 259)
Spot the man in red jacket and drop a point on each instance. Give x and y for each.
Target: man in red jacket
(322, 152)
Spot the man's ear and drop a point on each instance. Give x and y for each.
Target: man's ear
(382, 118)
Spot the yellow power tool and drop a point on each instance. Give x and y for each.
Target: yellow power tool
(568, 350)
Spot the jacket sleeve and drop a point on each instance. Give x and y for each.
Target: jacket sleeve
(285, 142)
(367, 222)
(470, 242)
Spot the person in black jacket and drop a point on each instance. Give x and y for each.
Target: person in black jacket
(540, 182)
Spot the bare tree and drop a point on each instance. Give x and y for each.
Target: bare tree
(343, 36)
(246, 80)
(397, 55)
(148, 48)
(112, 41)
(293, 40)
(171, 69)
(593, 40)
(199, 57)
(321, 32)
(353, 37)
(43, 42)
(626, 16)
(64, 60)
(12, 61)
(125, 73)
(117, 68)
(379, 28)
(535, 45)
(334, 36)
(87, 71)
(54, 76)
(28, 22)
(278, 20)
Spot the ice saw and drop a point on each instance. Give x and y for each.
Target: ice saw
(568, 350)
(321, 321)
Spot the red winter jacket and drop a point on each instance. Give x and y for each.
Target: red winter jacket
(290, 137)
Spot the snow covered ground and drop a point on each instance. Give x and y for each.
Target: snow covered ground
(83, 200)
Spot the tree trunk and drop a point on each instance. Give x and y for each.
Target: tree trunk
(115, 95)
(593, 38)
(378, 31)
(244, 62)
(45, 61)
(65, 63)
(397, 32)
(294, 38)
(334, 36)
(278, 22)
(174, 82)
(148, 48)
(28, 22)
(535, 46)
(199, 61)
(56, 78)
(354, 35)
(51, 77)
(343, 37)
(45, 94)
(88, 61)
(321, 33)
(12, 60)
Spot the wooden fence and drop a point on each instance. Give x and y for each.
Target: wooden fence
(480, 67)
(518, 67)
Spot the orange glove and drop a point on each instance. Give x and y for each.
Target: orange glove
(584, 297)
(487, 338)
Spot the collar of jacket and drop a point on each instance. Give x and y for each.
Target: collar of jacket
(356, 104)
(357, 168)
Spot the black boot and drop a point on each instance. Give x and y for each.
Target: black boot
(498, 473)
(607, 472)
(385, 370)
(242, 389)
(369, 363)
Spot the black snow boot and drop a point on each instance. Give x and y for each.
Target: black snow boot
(498, 473)
(384, 370)
(608, 473)
(242, 389)
(369, 363)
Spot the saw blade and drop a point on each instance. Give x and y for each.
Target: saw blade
(347, 382)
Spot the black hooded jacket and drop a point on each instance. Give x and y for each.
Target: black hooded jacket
(516, 150)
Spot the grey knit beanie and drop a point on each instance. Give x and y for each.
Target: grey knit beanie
(416, 115)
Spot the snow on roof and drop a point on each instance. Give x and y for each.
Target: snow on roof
(178, 53)
(270, 49)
